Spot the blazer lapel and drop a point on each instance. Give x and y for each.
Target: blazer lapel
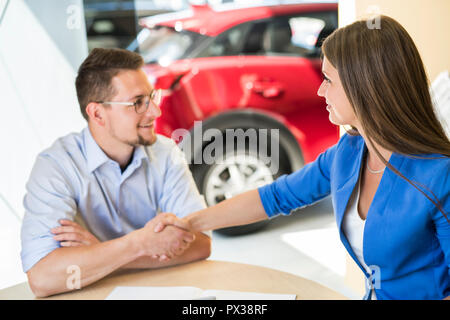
(343, 193)
(342, 197)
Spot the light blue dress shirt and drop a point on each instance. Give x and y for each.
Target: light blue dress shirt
(75, 180)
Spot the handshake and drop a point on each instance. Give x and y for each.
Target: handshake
(164, 237)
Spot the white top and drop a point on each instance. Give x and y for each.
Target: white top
(353, 227)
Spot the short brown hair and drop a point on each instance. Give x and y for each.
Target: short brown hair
(93, 82)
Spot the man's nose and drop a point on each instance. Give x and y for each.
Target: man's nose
(153, 111)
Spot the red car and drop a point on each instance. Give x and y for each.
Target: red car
(250, 68)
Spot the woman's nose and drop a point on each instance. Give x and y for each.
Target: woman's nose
(320, 92)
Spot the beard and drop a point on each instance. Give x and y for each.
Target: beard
(141, 141)
(138, 141)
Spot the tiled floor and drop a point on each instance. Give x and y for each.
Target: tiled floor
(305, 243)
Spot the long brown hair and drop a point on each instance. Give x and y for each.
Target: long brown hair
(385, 81)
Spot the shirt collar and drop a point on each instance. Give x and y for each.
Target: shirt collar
(96, 157)
(94, 154)
(140, 154)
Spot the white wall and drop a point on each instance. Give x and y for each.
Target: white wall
(42, 42)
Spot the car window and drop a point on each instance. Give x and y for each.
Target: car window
(305, 31)
(163, 45)
(228, 43)
(296, 35)
(300, 35)
(254, 39)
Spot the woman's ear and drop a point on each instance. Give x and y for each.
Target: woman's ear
(96, 113)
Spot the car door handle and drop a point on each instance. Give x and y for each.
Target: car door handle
(268, 89)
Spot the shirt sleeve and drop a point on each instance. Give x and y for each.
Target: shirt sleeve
(48, 199)
(180, 194)
(301, 188)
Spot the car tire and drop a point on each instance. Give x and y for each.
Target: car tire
(249, 172)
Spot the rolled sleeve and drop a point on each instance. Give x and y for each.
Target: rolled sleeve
(48, 199)
(180, 194)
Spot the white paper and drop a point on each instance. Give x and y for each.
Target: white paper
(189, 293)
(238, 295)
(154, 293)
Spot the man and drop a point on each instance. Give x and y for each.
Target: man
(113, 177)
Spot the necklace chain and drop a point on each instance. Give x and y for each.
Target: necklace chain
(373, 171)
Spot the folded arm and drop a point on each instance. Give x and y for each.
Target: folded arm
(51, 274)
(199, 249)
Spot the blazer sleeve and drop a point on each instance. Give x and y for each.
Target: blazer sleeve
(301, 188)
(441, 221)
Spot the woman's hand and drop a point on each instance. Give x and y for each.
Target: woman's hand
(71, 234)
(169, 219)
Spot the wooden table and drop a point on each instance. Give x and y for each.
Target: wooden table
(206, 274)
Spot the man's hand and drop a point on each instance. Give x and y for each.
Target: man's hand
(166, 220)
(167, 244)
(71, 234)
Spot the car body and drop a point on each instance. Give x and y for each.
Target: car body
(255, 67)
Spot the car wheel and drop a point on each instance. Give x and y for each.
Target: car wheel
(241, 170)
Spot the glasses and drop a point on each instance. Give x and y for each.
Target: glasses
(142, 103)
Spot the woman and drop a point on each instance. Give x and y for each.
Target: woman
(389, 176)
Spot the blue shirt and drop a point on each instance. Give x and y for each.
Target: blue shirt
(406, 238)
(75, 180)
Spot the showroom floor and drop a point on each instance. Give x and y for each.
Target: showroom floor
(305, 243)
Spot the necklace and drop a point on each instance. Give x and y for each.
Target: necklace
(373, 171)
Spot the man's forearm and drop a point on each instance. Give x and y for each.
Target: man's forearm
(50, 275)
(198, 250)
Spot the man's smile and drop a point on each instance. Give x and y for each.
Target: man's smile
(146, 126)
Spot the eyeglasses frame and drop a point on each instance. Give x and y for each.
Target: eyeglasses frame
(156, 93)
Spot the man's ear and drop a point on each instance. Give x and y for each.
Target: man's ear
(96, 113)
